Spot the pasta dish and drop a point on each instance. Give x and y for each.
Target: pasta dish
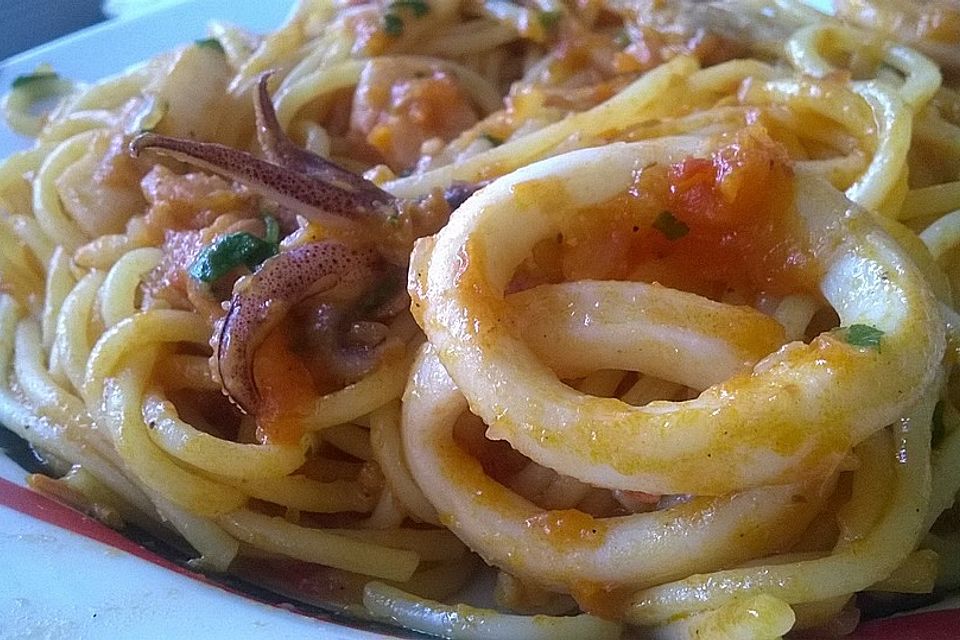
(509, 319)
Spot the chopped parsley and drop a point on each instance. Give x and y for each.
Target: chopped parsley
(670, 226)
(622, 39)
(550, 19)
(863, 335)
(40, 75)
(418, 7)
(41, 84)
(210, 43)
(494, 140)
(393, 24)
(33, 96)
(234, 249)
(938, 427)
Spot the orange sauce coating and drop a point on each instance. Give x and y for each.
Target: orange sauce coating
(568, 528)
(706, 225)
(286, 389)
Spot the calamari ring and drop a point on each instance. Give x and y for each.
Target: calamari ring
(660, 332)
(792, 418)
(571, 551)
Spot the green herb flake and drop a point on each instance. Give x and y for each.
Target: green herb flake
(40, 85)
(393, 25)
(938, 427)
(494, 140)
(419, 8)
(670, 226)
(210, 43)
(230, 251)
(863, 335)
(622, 39)
(550, 19)
(24, 81)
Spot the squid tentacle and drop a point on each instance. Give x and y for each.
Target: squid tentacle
(319, 190)
(280, 149)
(260, 301)
(307, 195)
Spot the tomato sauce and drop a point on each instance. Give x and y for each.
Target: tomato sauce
(286, 390)
(601, 600)
(707, 225)
(568, 529)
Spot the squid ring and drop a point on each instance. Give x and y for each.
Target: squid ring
(792, 418)
(571, 551)
(660, 332)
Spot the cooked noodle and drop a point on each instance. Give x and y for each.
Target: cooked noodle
(675, 351)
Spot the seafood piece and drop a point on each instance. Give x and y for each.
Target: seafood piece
(791, 419)
(372, 236)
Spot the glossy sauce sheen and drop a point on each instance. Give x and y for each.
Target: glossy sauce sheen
(568, 528)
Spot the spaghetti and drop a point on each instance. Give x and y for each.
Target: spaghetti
(648, 305)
